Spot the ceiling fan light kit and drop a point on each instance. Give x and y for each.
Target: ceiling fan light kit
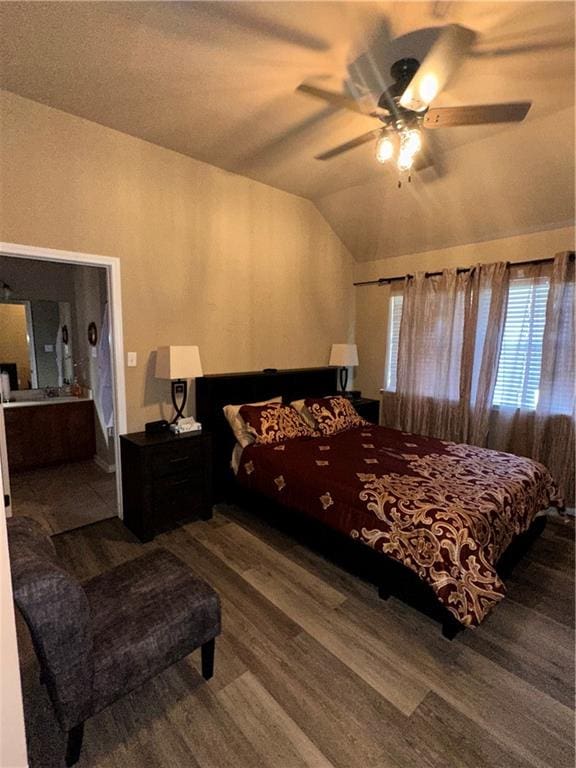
(404, 108)
(409, 142)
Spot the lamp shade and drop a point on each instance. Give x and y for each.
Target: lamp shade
(178, 363)
(343, 355)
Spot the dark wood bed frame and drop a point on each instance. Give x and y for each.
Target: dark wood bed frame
(391, 577)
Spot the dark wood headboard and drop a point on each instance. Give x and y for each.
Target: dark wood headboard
(215, 391)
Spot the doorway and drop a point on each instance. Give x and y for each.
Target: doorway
(63, 380)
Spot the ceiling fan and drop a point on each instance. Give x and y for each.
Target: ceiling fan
(404, 108)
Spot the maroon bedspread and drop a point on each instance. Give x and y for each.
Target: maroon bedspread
(445, 510)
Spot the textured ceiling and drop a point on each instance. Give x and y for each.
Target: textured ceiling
(216, 81)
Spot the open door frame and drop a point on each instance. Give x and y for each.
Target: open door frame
(12, 731)
(112, 266)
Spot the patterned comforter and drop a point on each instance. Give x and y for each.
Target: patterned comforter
(447, 511)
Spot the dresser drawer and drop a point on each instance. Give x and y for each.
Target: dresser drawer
(174, 459)
(178, 500)
(166, 481)
(179, 486)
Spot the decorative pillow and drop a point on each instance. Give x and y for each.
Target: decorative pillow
(333, 414)
(274, 424)
(237, 423)
(305, 414)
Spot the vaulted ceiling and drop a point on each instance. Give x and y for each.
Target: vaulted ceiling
(216, 81)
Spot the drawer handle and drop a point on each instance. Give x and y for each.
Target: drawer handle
(179, 459)
(180, 482)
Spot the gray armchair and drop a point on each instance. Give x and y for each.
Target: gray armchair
(100, 639)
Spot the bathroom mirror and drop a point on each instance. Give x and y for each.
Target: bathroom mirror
(32, 347)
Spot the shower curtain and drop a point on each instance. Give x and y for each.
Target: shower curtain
(103, 391)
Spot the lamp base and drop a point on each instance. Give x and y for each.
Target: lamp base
(343, 379)
(179, 387)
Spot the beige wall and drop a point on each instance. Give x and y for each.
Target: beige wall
(372, 301)
(252, 275)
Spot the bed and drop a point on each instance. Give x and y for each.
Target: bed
(437, 524)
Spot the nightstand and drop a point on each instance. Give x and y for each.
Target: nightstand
(368, 409)
(166, 480)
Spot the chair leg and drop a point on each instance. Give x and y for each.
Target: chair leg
(208, 659)
(74, 745)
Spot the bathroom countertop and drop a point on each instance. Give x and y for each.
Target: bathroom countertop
(45, 401)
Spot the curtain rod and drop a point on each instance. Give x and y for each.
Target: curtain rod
(459, 270)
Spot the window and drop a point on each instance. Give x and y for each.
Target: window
(518, 379)
(395, 315)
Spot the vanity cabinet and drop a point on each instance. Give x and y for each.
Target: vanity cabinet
(50, 433)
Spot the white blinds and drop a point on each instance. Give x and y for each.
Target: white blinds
(518, 380)
(395, 310)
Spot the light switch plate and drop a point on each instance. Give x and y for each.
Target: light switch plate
(132, 360)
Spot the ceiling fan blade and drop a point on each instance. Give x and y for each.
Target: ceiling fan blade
(437, 67)
(336, 99)
(524, 48)
(242, 18)
(447, 117)
(358, 141)
(548, 38)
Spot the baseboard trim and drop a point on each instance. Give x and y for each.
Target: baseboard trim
(110, 468)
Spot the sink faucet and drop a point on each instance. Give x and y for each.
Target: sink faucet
(50, 392)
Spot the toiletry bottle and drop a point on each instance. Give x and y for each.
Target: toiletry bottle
(4, 387)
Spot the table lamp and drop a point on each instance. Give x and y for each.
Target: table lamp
(178, 364)
(343, 355)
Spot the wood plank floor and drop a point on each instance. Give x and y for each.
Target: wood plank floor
(314, 671)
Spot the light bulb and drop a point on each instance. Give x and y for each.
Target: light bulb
(411, 141)
(384, 149)
(405, 160)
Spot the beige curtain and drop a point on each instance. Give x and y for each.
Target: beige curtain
(557, 381)
(556, 411)
(429, 354)
(546, 433)
(482, 343)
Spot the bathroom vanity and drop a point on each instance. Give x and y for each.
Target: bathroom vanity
(51, 431)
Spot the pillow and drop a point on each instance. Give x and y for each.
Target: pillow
(237, 423)
(305, 414)
(334, 414)
(271, 424)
